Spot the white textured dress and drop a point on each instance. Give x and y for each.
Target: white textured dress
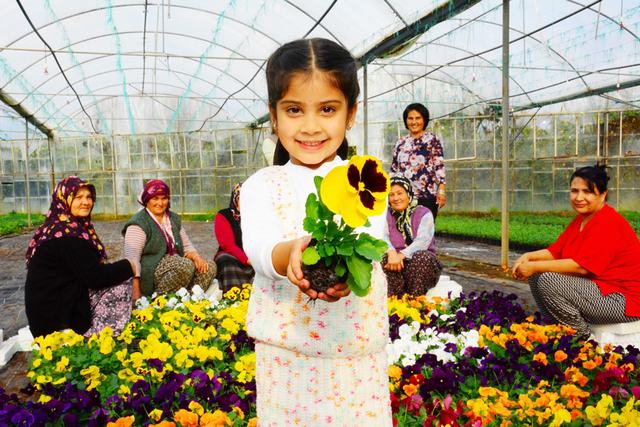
(317, 364)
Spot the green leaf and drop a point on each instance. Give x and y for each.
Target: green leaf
(310, 255)
(355, 288)
(345, 248)
(330, 250)
(370, 248)
(317, 181)
(311, 206)
(340, 269)
(332, 230)
(359, 271)
(310, 224)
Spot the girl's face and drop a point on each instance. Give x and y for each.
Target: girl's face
(82, 203)
(415, 123)
(584, 201)
(398, 198)
(158, 204)
(311, 119)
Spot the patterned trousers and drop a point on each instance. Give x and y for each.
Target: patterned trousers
(174, 272)
(420, 273)
(577, 302)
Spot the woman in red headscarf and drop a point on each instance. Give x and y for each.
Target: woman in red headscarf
(162, 252)
(69, 283)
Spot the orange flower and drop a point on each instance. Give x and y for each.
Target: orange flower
(560, 356)
(410, 389)
(541, 357)
(163, 424)
(122, 422)
(589, 364)
(217, 419)
(186, 418)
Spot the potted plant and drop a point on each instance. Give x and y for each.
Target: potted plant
(348, 196)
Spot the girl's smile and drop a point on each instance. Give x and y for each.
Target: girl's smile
(311, 119)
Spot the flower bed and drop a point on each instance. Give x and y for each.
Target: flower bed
(186, 360)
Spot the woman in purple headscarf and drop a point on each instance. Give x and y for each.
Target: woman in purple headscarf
(69, 283)
(162, 252)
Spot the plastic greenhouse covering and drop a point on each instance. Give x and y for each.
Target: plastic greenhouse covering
(132, 81)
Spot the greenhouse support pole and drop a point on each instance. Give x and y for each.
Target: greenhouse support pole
(365, 110)
(504, 252)
(52, 173)
(26, 170)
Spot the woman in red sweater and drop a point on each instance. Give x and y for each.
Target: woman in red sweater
(591, 274)
(234, 268)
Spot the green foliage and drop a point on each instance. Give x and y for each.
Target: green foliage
(526, 229)
(338, 246)
(17, 222)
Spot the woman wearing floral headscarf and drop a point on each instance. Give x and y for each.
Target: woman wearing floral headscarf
(410, 264)
(234, 267)
(69, 283)
(155, 239)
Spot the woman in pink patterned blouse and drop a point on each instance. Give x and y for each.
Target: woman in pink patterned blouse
(419, 158)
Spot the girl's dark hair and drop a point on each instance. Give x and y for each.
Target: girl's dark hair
(304, 56)
(416, 106)
(595, 177)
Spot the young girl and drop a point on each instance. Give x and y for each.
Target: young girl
(320, 363)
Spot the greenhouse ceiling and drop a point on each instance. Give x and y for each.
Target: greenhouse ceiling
(134, 67)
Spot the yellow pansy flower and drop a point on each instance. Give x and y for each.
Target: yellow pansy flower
(356, 191)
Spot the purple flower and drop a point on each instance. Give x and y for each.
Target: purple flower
(156, 364)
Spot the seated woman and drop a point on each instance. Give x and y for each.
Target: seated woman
(69, 283)
(591, 274)
(234, 267)
(410, 264)
(157, 243)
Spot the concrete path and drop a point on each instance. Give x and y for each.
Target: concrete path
(473, 265)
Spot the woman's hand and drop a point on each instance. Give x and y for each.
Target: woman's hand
(296, 276)
(524, 258)
(202, 266)
(524, 270)
(395, 260)
(441, 199)
(136, 293)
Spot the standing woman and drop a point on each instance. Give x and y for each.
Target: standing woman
(160, 248)
(234, 268)
(591, 274)
(69, 283)
(419, 158)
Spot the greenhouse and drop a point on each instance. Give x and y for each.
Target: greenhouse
(119, 92)
(138, 97)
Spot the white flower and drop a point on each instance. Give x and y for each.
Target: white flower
(172, 302)
(182, 292)
(142, 303)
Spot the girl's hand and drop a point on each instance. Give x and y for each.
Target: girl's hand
(441, 199)
(295, 275)
(136, 293)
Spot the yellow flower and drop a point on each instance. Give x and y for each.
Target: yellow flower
(44, 398)
(600, 413)
(196, 407)
(395, 372)
(155, 415)
(356, 191)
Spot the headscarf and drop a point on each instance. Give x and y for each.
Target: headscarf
(157, 187)
(59, 222)
(234, 203)
(403, 219)
(154, 187)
